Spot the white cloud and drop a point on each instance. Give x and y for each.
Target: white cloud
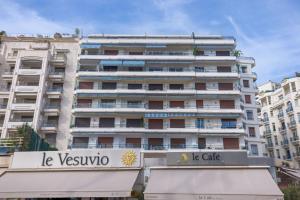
(15, 19)
(276, 54)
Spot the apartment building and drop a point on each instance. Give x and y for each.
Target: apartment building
(164, 93)
(280, 120)
(37, 82)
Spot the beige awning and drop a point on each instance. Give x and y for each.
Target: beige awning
(55, 184)
(221, 184)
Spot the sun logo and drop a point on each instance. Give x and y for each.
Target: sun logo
(129, 158)
(183, 158)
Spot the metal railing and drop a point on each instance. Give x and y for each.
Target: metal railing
(224, 125)
(289, 109)
(146, 146)
(146, 106)
(54, 89)
(294, 138)
(52, 106)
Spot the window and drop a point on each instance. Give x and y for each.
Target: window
(201, 143)
(228, 123)
(176, 104)
(248, 99)
(133, 142)
(110, 68)
(177, 143)
(176, 69)
(156, 86)
(231, 143)
(15, 52)
(105, 142)
(155, 69)
(271, 113)
(276, 140)
(250, 115)
(80, 142)
(199, 69)
(200, 123)
(251, 131)
(177, 123)
(135, 123)
(280, 97)
(278, 154)
(273, 127)
(109, 85)
(293, 85)
(135, 53)
(132, 86)
(227, 104)
(200, 86)
(108, 103)
(199, 103)
(225, 86)
(156, 105)
(246, 83)
(111, 52)
(269, 100)
(244, 69)
(198, 52)
(224, 68)
(176, 87)
(155, 143)
(85, 85)
(135, 69)
(254, 149)
(222, 53)
(82, 122)
(107, 122)
(155, 124)
(134, 104)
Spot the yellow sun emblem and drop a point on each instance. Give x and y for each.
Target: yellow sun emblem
(129, 158)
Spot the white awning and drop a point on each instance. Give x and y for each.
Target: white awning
(221, 184)
(59, 184)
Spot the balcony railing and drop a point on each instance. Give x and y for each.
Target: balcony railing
(296, 154)
(52, 106)
(269, 145)
(56, 73)
(284, 142)
(55, 89)
(289, 109)
(146, 146)
(292, 124)
(282, 130)
(294, 138)
(3, 106)
(146, 106)
(21, 120)
(50, 124)
(280, 115)
(224, 125)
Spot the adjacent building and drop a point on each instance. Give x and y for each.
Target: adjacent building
(117, 91)
(37, 82)
(280, 120)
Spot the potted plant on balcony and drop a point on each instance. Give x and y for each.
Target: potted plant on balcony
(238, 53)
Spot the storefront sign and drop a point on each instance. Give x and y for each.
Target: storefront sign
(79, 158)
(207, 158)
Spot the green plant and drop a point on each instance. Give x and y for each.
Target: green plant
(197, 51)
(25, 132)
(237, 53)
(292, 192)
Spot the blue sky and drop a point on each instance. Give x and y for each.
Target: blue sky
(268, 30)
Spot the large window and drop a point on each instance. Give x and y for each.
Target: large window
(177, 123)
(135, 123)
(250, 115)
(246, 83)
(109, 85)
(225, 86)
(254, 149)
(107, 122)
(251, 131)
(156, 86)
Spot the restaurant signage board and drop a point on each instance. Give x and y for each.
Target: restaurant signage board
(219, 158)
(90, 158)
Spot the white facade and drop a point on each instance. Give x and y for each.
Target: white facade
(280, 115)
(37, 81)
(164, 93)
(149, 92)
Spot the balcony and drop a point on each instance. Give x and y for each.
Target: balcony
(3, 108)
(23, 106)
(150, 147)
(296, 155)
(267, 133)
(282, 130)
(7, 75)
(212, 92)
(280, 116)
(292, 125)
(16, 123)
(49, 127)
(27, 88)
(269, 146)
(209, 129)
(285, 143)
(295, 140)
(52, 108)
(144, 108)
(266, 121)
(54, 92)
(56, 75)
(11, 57)
(59, 59)
(289, 110)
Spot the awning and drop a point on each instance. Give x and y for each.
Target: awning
(221, 184)
(59, 184)
(111, 62)
(90, 45)
(133, 63)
